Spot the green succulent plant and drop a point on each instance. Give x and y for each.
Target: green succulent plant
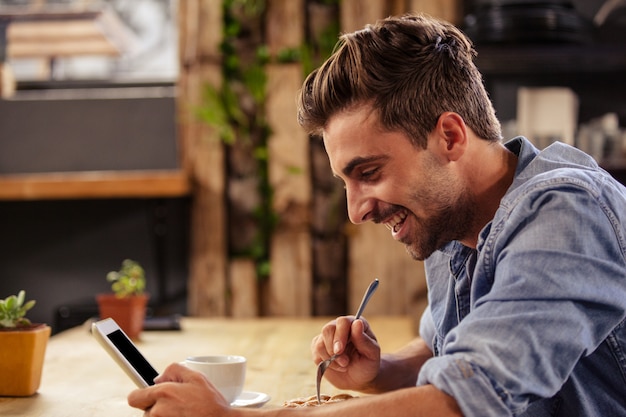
(129, 280)
(13, 310)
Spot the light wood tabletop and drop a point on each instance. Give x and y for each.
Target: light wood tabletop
(80, 379)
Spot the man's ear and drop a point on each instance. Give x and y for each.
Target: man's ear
(452, 132)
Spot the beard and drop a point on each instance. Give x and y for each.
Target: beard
(447, 223)
(450, 212)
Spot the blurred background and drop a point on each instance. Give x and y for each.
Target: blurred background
(164, 131)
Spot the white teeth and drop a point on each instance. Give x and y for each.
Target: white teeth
(395, 221)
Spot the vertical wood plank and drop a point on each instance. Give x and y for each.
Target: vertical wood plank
(288, 145)
(244, 290)
(374, 254)
(289, 286)
(207, 284)
(209, 30)
(288, 292)
(284, 24)
(203, 156)
(449, 10)
(355, 14)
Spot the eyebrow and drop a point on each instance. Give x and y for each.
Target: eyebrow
(359, 160)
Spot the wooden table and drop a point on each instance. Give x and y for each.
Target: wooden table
(80, 379)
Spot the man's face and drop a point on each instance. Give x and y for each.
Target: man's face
(388, 180)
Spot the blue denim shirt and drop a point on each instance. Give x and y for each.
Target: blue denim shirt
(533, 322)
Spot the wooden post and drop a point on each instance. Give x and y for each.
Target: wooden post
(288, 291)
(374, 254)
(203, 156)
(355, 14)
(244, 289)
(449, 10)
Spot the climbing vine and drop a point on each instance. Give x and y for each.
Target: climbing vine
(237, 111)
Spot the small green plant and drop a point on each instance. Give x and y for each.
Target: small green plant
(129, 280)
(13, 309)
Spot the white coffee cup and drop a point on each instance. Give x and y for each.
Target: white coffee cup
(226, 372)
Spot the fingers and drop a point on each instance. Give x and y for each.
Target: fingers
(141, 398)
(337, 335)
(146, 398)
(331, 340)
(176, 373)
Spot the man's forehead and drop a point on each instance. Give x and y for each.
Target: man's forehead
(346, 155)
(350, 127)
(362, 113)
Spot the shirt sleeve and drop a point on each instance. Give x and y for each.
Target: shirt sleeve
(427, 329)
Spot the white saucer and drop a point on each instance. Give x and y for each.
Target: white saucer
(251, 399)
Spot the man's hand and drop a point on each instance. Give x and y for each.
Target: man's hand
(179, 392)
(359, 360)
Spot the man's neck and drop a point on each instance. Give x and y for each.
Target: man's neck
(490, 175)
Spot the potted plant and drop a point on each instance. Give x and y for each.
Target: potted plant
(127, 303)
(22, 347)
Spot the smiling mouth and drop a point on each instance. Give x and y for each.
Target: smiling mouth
(394, 222)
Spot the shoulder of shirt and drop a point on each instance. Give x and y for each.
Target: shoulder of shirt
(554, 167)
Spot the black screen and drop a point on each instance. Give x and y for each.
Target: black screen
(133, 356)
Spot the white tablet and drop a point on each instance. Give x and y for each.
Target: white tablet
(124, 352)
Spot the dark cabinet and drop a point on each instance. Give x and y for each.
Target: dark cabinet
(596, 72)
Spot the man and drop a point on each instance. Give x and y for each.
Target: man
(525, 250)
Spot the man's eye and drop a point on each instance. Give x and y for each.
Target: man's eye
(365, 174)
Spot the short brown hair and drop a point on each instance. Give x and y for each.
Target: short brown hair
(411, 69)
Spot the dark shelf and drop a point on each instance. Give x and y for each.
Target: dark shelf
(534, 59)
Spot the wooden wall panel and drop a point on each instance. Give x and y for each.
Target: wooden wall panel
(357, 13)
(289, 288)
(203, 156)
(288, 292)
(449, 10)
(374, 254)
(284, 24)
(244, 295)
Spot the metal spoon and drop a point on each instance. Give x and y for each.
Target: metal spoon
(321, 368)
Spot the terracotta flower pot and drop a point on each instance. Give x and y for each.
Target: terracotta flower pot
(22, 354)
(128, 312)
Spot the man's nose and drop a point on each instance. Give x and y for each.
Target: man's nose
(360, 204)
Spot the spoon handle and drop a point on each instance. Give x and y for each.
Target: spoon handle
(366, 297)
